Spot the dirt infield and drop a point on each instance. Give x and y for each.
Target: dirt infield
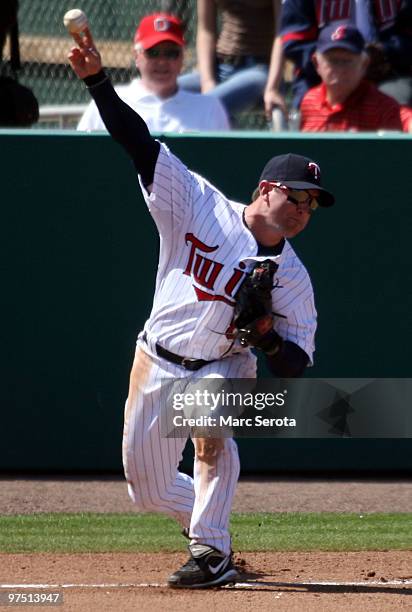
(292, 582)
(258, 494)
(282, 581)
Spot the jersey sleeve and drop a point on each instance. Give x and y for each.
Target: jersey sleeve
(293, 299)
(171, 194)
(300, 326)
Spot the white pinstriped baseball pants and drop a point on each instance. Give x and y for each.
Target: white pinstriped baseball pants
(151, 461)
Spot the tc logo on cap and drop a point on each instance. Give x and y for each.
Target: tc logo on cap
(161, 25)
(339, 33)
(314, 170)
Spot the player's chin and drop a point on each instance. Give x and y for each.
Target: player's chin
(290, 234)
(292, 228)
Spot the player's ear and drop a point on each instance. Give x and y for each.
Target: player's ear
(255, 194)
(265, 187)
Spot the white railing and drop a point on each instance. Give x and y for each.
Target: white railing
(60, 115)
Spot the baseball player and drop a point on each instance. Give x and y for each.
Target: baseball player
(208, 245)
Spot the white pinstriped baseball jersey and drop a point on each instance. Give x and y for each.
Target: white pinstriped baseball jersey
(205, 250)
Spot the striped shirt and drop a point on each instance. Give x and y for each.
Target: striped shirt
(365, 110)
(406, 117)
(205, 251)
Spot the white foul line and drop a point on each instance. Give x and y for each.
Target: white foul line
(238, 585)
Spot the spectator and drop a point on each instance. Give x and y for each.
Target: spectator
(18, 104)
(386, 26)
(234, 65)
(155, 96)
(345, 100)
(406, 118)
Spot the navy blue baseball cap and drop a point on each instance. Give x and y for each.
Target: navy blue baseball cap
(297, 172)
(343, 36)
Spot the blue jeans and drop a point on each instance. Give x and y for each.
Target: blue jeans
(239, 87)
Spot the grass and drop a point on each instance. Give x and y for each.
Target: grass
(251, 532)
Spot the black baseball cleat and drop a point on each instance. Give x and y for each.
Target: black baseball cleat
(205, 568)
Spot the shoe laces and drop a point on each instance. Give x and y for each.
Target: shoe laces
(191, 564)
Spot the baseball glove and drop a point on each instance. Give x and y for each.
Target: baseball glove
(253, 317)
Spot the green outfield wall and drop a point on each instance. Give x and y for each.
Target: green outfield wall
(78, 263)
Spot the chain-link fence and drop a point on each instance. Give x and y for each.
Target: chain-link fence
(44, 44)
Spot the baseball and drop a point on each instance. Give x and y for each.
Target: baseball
(75, 21)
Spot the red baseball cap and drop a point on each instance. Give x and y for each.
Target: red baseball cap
(157, 28)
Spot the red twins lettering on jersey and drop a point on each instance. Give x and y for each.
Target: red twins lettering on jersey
(205, 272)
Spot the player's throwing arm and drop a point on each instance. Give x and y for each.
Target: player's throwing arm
(84, 59)
(273, 311)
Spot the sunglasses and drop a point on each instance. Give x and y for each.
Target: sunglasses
(172, 54)
(302, 198)
(340, 62)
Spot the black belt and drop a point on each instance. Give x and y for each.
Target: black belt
(185, 362)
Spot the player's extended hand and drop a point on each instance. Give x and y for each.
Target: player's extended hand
(85, 58)
(253, 316)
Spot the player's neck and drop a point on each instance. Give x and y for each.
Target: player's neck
(263, 232)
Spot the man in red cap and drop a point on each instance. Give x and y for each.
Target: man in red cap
(159, 46)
